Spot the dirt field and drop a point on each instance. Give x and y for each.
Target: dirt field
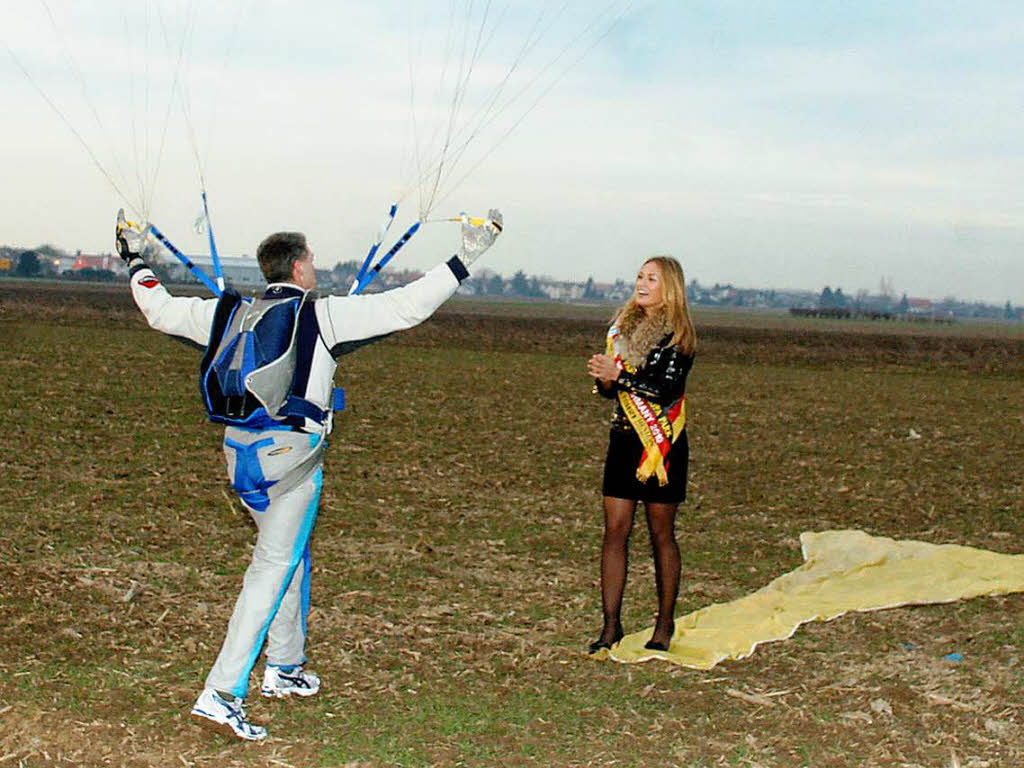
(455, 575)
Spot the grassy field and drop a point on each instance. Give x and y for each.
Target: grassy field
(455, 557)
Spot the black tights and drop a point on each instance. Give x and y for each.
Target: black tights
(618, 523)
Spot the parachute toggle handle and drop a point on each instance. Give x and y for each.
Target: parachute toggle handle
(131, 224)
(357, 282)
(475, 221)
(130, 237)
(199, 274)
(367, 278)
(218, 271)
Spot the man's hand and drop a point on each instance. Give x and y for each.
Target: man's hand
(129, 239)
(478, 235)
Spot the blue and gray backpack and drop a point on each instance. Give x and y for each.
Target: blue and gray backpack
(247, 375)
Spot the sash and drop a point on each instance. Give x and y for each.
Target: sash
(656, 426)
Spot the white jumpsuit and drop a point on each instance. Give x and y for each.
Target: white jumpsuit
(278, 473)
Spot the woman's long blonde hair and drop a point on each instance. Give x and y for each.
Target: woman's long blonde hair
(677, 310)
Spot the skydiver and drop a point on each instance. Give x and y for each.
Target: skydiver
(273, 390)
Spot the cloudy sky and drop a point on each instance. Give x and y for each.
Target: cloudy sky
(767, 144)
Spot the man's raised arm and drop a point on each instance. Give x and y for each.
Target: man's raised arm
(349, 321)
(187, 317)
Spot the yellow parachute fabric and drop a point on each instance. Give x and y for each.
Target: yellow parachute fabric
(843, 571)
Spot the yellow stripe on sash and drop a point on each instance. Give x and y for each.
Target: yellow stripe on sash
(653, 460)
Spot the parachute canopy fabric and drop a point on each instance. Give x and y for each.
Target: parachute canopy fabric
(843, 571)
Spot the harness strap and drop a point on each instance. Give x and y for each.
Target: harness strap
(299, 406)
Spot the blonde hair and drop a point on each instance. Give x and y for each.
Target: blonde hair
(674, 304)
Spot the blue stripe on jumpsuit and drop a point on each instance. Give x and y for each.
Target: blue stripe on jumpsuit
(300, 551)
(249, 482)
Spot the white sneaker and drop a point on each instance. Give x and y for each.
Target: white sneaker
(277, 683)
(212, 709)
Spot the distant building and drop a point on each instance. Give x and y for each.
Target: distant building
(560, 290)
(238, 270)
(104, 261)
(617, 291)
(920, 306)
(64, 263)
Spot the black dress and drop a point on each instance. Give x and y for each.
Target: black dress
(662, 380)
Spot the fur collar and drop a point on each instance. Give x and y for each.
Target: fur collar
(640, 333)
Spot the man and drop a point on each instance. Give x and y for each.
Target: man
(268, 375)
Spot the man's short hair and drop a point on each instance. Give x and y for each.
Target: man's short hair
(278, 252)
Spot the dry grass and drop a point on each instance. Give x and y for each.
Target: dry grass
(455, 576)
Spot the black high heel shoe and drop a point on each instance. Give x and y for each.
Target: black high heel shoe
(652, 645)
(599, 644)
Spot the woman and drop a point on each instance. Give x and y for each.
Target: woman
(650, 350)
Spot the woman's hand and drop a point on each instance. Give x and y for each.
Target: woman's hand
(603, 368)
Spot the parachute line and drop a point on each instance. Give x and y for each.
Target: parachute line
(228, 56)
(471, 31)
(72, 64)
(81, 140)
(157, 43)
(550, 86)
(483, 117)
(186, 34)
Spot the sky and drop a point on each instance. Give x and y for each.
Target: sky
(786, 145)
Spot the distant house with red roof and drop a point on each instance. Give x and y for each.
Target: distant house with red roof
(105, 261)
